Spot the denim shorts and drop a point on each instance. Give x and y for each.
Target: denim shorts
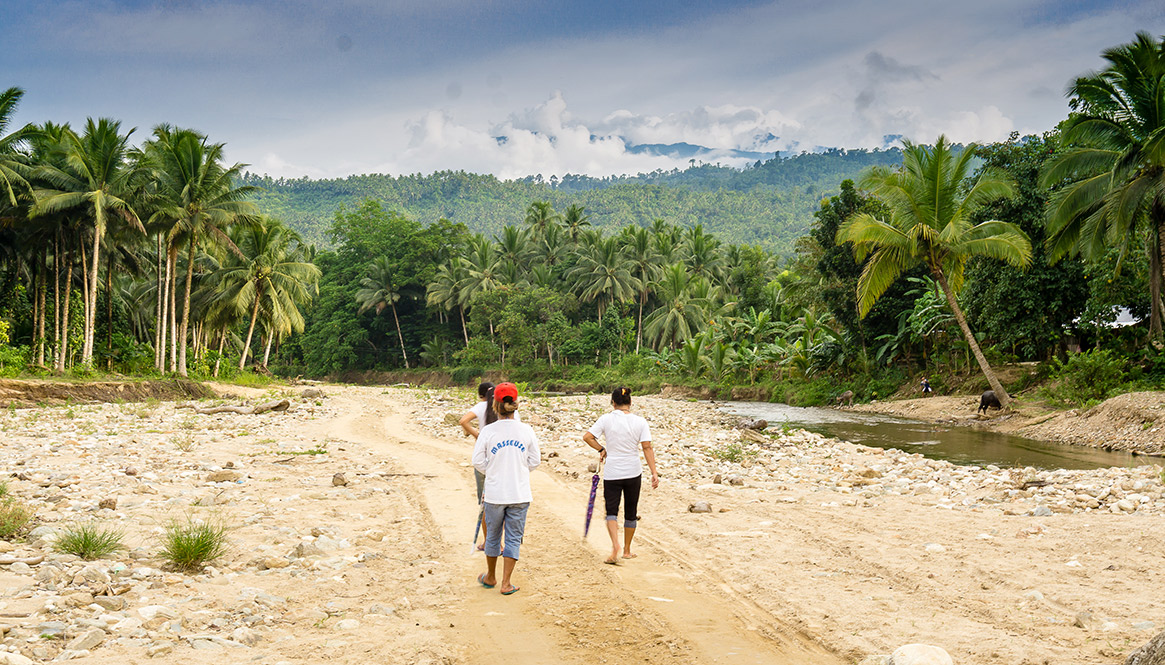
(509, 518)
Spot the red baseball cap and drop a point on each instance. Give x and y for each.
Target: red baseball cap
(504, 390)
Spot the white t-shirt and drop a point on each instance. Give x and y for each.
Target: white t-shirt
(478, 410)
(505, 452)
(623, 432)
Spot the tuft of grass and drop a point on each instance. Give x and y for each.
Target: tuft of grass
(3, 488)
(14, 517)
(733, 452)
(191, 543)
(89, 540)
(184, 442)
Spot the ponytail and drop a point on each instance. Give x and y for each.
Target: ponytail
(491, 414)
(506, 407)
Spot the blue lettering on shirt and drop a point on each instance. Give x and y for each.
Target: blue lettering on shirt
(507, 443)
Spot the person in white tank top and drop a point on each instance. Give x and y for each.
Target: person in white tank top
(624, 434)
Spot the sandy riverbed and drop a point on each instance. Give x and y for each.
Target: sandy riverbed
(817, 551)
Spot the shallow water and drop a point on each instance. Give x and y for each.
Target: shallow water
(961, 445)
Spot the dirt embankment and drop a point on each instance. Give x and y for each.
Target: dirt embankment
(1134, 421)
(28, 393)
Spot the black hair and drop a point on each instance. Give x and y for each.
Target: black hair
(490, 414)
(621, 396)
(484, 388)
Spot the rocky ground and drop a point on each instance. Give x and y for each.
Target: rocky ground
(1133, 421)
(808, 546)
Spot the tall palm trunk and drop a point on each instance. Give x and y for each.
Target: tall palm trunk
(172, 309)
(91, 319)
(401, 337)
(1156, 311)
(464, 330)
(267, 349)
(63, 350)
(40, 330)
(56, 297)
(160, 310)
(186, 304)
(639, 329)
(1004, 398)
(251, 328)
(218, 360)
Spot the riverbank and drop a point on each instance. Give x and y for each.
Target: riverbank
(815, 550)
(1133, 422)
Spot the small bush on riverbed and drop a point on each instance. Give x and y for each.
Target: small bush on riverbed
(14, 517)
(1087, 378)
(89, 541)
(190, 543)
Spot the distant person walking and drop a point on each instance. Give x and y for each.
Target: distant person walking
(506, 451)
(624, 434)
(483, 413)
(925, 387)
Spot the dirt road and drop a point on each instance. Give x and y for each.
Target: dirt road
(659, 608)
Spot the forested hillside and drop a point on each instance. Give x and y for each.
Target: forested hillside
(770, 203)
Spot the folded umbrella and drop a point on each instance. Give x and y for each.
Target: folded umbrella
(591, 500)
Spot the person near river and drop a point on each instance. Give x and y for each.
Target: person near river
(624, 434)
(483, 413)
(505, 452)
(926, 387)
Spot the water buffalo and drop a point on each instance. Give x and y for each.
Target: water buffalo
(988, 400)
(846, 398)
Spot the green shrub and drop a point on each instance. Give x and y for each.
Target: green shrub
(14, 517)
(190, 543)
(733, 451)
(465, 375)
(1088, 377)
(89, 541)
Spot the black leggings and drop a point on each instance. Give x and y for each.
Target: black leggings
(628, 487)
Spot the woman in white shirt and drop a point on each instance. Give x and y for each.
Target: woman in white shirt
(506, 451)
(625, 434)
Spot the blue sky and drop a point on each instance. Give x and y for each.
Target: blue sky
(296, 87)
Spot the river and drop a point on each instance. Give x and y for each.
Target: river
(961, 445)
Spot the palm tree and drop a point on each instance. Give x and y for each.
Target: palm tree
(197, 195)
(1116, 165)
(681, 315)
(265, 274)
(541, 216)
(11, 166)
(381, 289)
(575, 220)
(701, 252)
(514, 245)
(445, 290)
(93, 178)
(640, 252)
(931, 208)
(602, 276)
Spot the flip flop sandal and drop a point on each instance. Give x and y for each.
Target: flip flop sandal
(511, 591)
(481, 581)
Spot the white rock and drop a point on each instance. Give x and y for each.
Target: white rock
(86, 640)
(151, 611)
(14, 659)
(920, 654)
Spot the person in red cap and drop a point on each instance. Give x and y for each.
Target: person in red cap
(505, 452)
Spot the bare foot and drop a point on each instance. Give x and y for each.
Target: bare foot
(628, 555)
(481, 547)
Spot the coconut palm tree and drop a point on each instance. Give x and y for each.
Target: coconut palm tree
(264, 276)
(92, 178)
(1115, 165)
(646, 266)
(540, 216)
(575, 220)
(931, 205)
(445, 290)
(12, 167)
(681, 315)
(602, 276)
(380, 290)
(197, 196)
